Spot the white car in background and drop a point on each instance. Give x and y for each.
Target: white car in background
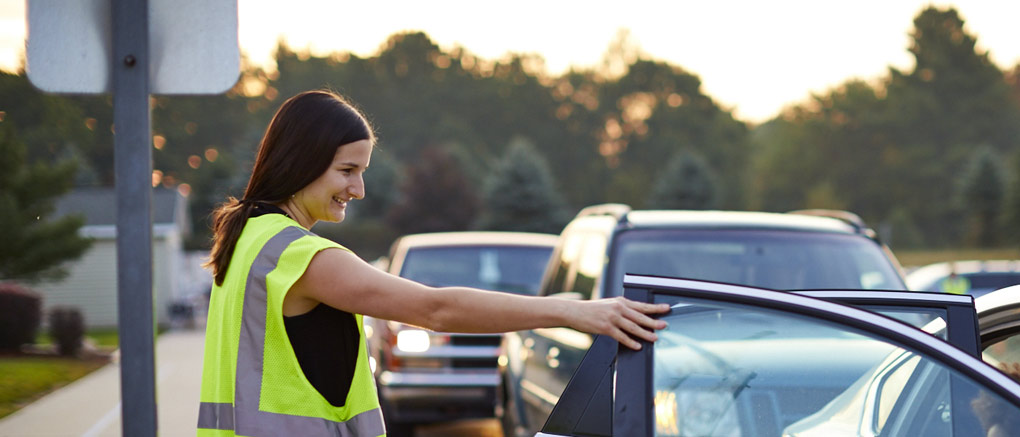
(984, 276)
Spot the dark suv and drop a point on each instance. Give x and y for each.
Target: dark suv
(801, 250)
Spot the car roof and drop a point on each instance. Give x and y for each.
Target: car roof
(738, 220)
(474, 238)
(927, 275)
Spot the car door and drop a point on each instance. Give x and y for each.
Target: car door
(742, 361)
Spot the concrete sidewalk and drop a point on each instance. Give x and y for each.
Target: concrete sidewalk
(90, 407)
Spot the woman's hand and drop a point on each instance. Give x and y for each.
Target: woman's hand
(623, 319)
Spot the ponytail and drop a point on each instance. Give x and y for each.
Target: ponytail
(228, 222)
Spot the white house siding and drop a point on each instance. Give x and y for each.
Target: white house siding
(166, 268)
(91, 283)
(91, 286)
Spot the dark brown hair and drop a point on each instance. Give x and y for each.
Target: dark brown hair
(298, 147)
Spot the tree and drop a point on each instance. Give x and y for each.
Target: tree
(34, 247)
(53, 128)
(954, 97)
(521, 195)
(686, 183)
(436, 196)
(981, 194)
(831, 151)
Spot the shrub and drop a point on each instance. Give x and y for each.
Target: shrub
(67, 327)
(20, 314)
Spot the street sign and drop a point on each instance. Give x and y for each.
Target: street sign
(132, 49)
(193, 46)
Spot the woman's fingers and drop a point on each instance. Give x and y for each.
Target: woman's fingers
(639, 310)
(633, 322)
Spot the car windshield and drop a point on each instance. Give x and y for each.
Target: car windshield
(780, 260)
(514, 269)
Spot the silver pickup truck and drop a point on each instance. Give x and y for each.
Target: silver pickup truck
(427, 377)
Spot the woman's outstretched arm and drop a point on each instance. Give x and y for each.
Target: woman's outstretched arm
(344, 281)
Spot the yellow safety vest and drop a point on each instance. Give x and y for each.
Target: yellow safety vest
(252, 384)
(958, 285)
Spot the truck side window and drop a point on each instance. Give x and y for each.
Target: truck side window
(590, 262)
(563, 279)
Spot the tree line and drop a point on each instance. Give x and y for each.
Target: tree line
(927, 155)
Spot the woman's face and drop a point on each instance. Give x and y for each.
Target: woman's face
(327, 196)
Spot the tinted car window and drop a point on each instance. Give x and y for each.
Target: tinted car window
(515, 269)
(563, 276)
(992, 281)
(590, 262)
(778, 260)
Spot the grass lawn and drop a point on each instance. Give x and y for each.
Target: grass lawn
(24, 379)
(106, 338)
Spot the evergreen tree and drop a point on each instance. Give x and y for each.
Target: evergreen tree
(686, 183)
(34, 248)
(981, 194)
(953, 98)
(436, 196)
(520, 194)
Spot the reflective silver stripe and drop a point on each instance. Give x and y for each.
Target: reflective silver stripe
(244, 416)
(215, 416)
(221, 416)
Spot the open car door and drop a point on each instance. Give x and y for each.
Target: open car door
(744, 361)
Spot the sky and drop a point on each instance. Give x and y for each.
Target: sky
(753, 57)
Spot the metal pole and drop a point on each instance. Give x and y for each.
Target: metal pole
(133, 166)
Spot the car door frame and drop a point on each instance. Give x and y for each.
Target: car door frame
(961, 321)
(633, 409)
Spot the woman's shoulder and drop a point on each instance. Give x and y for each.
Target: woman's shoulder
(265, 227)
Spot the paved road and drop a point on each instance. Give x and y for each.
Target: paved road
(90, 407)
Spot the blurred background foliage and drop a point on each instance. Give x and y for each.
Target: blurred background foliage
(928, 156)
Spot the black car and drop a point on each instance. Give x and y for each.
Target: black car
(784, 251)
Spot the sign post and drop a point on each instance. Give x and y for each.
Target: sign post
(133, 48)
(133, 172)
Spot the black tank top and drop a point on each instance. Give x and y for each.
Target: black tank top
(325, 341)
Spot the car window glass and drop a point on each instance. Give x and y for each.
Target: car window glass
(779, 260)
(514, 269)
(1005, 355)
(930, 320)
(589, 264)
(993, 280)
(563, 277)
(891, 385)
(734, 370)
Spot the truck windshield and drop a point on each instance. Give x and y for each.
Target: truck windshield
(780, 260)
(513, 269)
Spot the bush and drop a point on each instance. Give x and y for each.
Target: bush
(67, 327)
(20, 314)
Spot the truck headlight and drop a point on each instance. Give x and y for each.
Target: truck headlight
(413, 340)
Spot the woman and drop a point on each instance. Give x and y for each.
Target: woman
(285, 346)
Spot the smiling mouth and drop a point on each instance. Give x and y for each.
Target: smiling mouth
(341, 202)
